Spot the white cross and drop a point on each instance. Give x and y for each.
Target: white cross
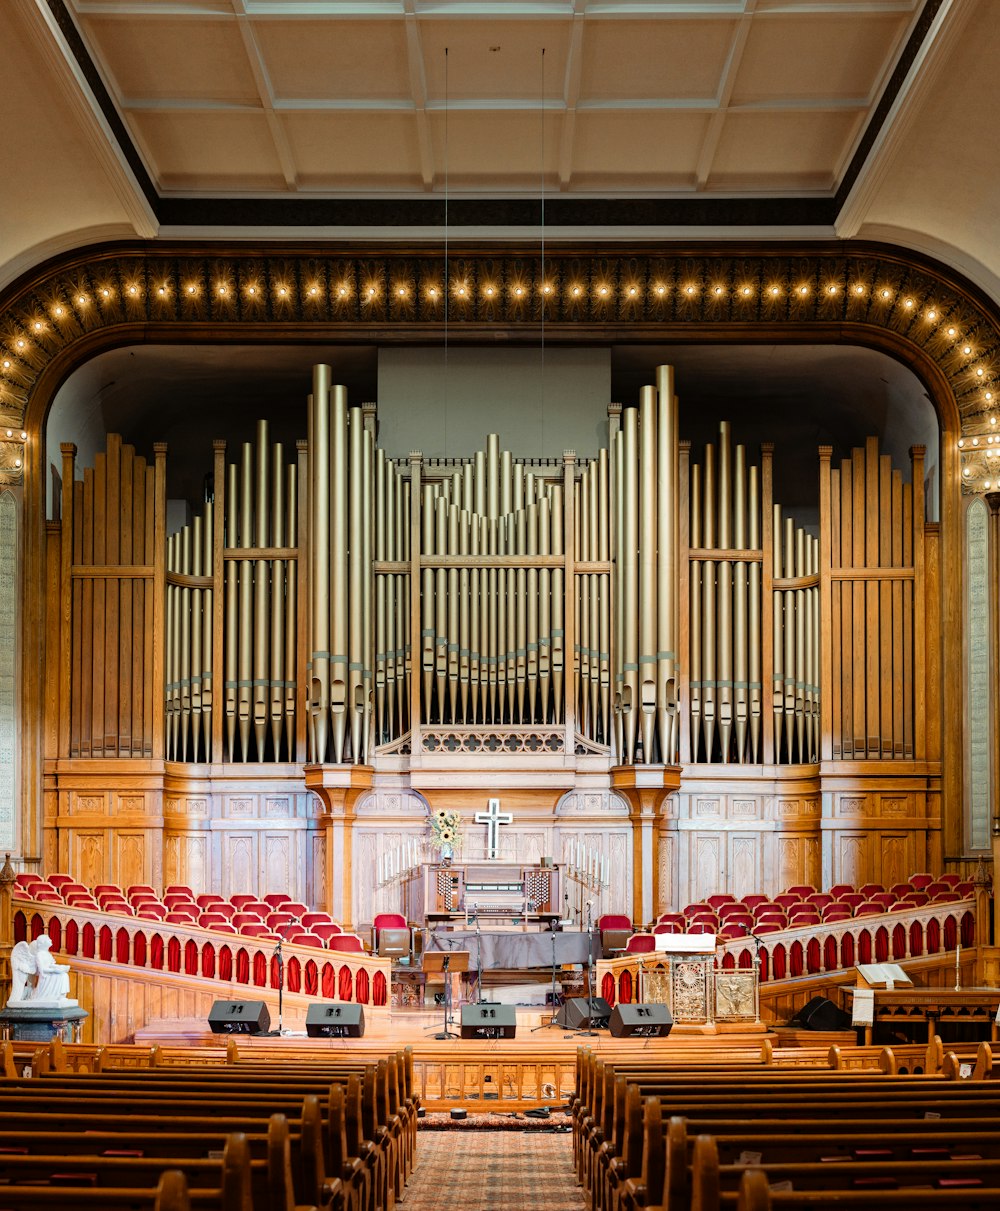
(493, 819)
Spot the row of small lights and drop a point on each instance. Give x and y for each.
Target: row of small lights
(13, 435)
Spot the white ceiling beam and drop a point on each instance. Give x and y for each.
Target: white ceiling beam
(418, 93)
(262, 82)
(710, 145)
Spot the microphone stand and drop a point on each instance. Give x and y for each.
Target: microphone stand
(553, 1016)
(590, 971)
(445, 1032)
(479, 963)
(281, 982)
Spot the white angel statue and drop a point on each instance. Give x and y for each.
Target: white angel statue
(51, 979)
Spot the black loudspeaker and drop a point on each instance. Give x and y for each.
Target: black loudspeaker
(488, 1020)
(573, 1014)
(651, 1021)
(821, 1014)
(335, 1020)
(239, 1017)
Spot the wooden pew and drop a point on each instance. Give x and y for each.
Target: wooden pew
(756, 1195)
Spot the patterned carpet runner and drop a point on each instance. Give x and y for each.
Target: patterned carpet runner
(483, 1170)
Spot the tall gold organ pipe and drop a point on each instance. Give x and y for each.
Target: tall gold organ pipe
(291, 610)
(790, 645)
(386, 603)
(206, 637)
(581, 601)
(544, 609)
(708, 586)
(339, 568)
(427, 597)
(777, 678)
(667, 570)
(383, 503)
(647, 569)
(741, 639)
(593, 542)
(441, 605)
(186, 671)
(454, 642)
(694, 593)
(173, 661)
(279, 539)
(604, 580)
(630, 573)
(232, 609)
(320, 570)
(367, 589)
(464, 613)
(533, 605)
(521, 584)
(754, 617)
(355, 574)
(558, 603)
(618, 453)
(245, 646)
(724, 596)
(259, 696)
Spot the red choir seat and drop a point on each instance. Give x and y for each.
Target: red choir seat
(277, 898)
(209, 898)
(179, 917)
(225, 909)
(720, 898)
(836, 912)
(305, 938)
(917, 898)
(256, 929)
(243, 919)
(920, 880)
(241, 898)
(346, 943)
(211, 920)
(47, 897)
(820, 898)
(669, 918)
(310, 919)
(151, 912)
(173, 899)
(753, 899)
(58, 880)
(25, 878)
(82, 899)
(642, 943)
(852, 899)
(801, 890)
(276, 919)
(885, 898)
(732, 930)
(871, 890)
(899, 890)
(841, 889)
(140, 887)
(952, 878)
(786, 899)
(733, 909)
(702, 925)
(295, 908)
(667, 927)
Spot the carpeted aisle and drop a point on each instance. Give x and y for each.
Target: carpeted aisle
(483, 1170)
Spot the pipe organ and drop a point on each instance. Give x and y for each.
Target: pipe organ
(649, 606)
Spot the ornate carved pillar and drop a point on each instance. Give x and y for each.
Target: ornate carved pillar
(645, 788)
(339, 788)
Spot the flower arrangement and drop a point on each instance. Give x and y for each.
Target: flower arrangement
(445, 830)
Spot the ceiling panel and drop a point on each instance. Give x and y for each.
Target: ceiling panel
(817, 56)
(495, 59)
(507, 144)
(232, 151)
(173, 58)
(656, 149)
(780, 151)
(326, 60)
(654, 59)
(345, 150)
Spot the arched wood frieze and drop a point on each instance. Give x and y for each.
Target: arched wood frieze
(61, 314)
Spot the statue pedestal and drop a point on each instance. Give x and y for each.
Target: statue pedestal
(42, 1023)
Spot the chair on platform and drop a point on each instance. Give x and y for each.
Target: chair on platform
(277, 898)
(613, 928)
(717, 900)
(309, 919)
(397, 941)
(668, 927)
(852, 899)
(640, 943)
(885, 898)
(256, 929)
(703, 925)
(672, 918)
(801, 890)
(82, 899)
(805, 916)
(111, 889)
(211, 920)
(732, 930)
(763, 927)
(58, 880)
(174, 899)
(917, 898)
(243, 919)
(869, 908)
(275, 920)
(899, 890)
(733, 909)
(841, 889)
(240, 899)
(345, 943)
(178, 889)
(820, 899)
(920, 880)
(753, 899)
(151, 912)
(296, 908)
(786, 899)
(836, 912)
(965, 888)
(140, 888)
(225, 909)
(47, 897)
(951, 877)
(208, 899)
(871, 890)
(179, 917)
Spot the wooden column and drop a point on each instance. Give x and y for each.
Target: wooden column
(993, 500)
(645, 788)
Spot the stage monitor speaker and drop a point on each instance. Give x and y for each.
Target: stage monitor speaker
(573, 1014)
(335, 1020)
(239, 1017)
(488, 1020)
(822, 1014)
(649, 1021)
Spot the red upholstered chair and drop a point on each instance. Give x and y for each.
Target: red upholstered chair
(743, 918)
(346, 943)
(885, 898)
(241, 898)
(934, 888)
(211, 920)
(836, 912)
(140, 887)
(871, 890)
(260, 908)
(841, 889)
(64, 889)
(918, 898)
(275, 920)
(852, 899)
(47, 897)
(732, 909)
(209, 898)
(801, 890)
(257, 929)
(763, 927)
(25, 878)
(225, 926)
(305, 938)
(703, 925)
(174, 899)
(899, 890)
(226, 909)
(753, 899)
(178, 916)
(107, 889)
(964, 888)
(289, 930)
(786, 899)
(58, 880)
(242, 919)
(667, 927)
(614, 920)
(946, 897)
(178, 889)
(640, 943)
(151, 912)
(694, 910)
(805, 916)
(310, 919)
(716, 901)
(295, 907)
(82, 899)
(770, 917)
(277, 898)
(732, 930)
(119, 907)
(820, 899)
(667, 918)
(386, 920)
(868, 909)
(920, 880)
(952, 878)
